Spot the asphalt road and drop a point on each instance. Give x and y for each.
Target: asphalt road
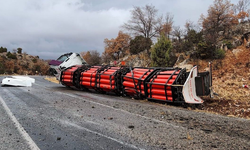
(51, 116)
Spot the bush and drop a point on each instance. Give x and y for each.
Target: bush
(34, 60)
(219, 54)
(205, 50)
(19, 50)
(11, 56)
(139, 44)
(228, 44)
(3, 49)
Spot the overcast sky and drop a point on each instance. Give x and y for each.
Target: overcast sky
(50, 28)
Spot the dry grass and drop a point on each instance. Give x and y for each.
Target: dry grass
(229, 76)
(52, 79)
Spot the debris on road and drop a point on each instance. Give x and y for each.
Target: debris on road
(18, 81)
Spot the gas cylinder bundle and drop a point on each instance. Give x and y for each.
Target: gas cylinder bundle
(164, 84)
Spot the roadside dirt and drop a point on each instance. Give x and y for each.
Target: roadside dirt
(231, 84)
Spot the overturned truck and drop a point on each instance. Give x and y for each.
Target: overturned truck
(174, 85)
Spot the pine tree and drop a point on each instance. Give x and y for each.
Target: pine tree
(161, 51)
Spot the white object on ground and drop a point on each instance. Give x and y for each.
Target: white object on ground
(189, 90)
(18, 81)
(32, 80)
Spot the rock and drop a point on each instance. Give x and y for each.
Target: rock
(236, 51)
(180, 59)
(185, 64)
(237, 43)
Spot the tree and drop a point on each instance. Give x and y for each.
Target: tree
(19, 50)
(168, 25)
(139, 44)
(189, 25)
(178, 33)
(92, 57)
(161, 53)
(95, 58)
(117, 47)
(191, 40)
(11, 56)
(3, 49)
(144, 21)
(86, 56)
(106, 58)
(240, 9)
(220, 18)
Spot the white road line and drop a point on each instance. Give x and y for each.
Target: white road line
(97, 133)
(19, 127)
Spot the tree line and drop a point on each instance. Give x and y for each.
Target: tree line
(203, 39)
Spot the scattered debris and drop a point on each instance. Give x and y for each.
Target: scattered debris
(18, 81)
(245, 86)
(189, 137)
(131, 127)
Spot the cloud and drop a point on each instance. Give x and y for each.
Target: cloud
(49, 28)
(46, 27)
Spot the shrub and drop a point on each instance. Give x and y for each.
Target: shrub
(139, 44)
(205, 50)
(3, 49)
(19, 50)
(11, 56)
(228, 44)
(34, 60)
(219, 54)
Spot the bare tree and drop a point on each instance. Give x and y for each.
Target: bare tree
(144, 21)
(178, 33)
(242, 5)
(189, 25)
(241, 9)
(168, 25)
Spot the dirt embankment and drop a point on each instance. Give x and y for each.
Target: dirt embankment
(231, 84)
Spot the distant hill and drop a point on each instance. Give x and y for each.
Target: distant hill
(22, 64)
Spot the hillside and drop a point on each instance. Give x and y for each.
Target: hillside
(23, 64)
(229, 76)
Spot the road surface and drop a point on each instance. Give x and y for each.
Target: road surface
(51, 116)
